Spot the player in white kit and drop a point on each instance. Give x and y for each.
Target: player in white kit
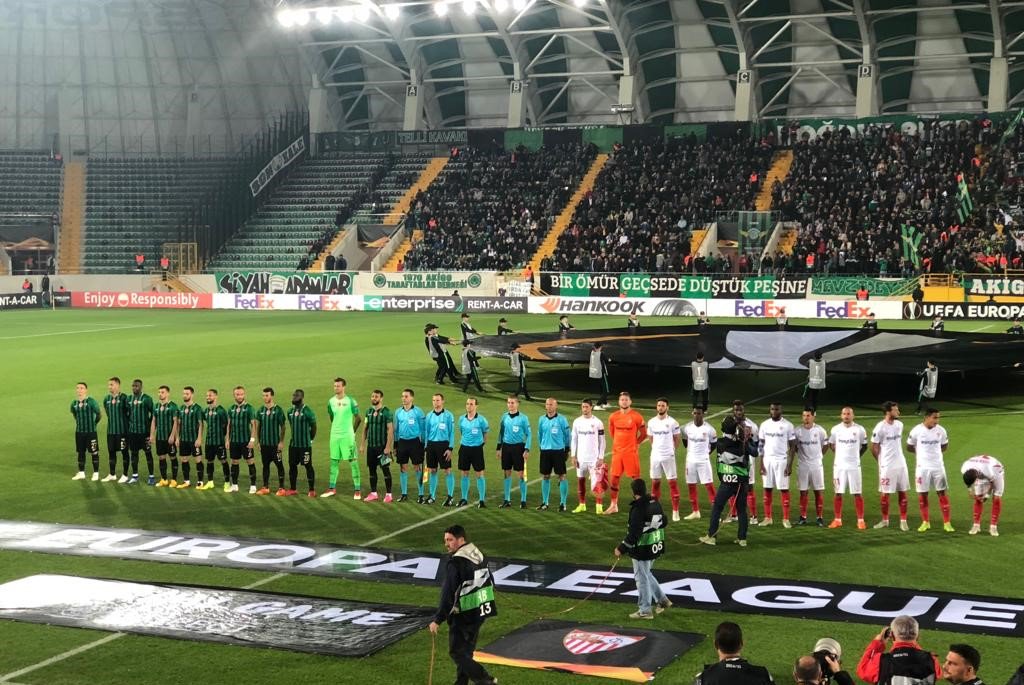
(776, 446)
(893, 476)
(587, 446)
(699, 437)
(811, 443)
(928, 441)
(984, 477)
(665, 436)
(848, 441)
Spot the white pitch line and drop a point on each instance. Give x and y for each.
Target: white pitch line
(87, 330)
(979, 330)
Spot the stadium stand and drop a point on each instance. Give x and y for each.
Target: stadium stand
(134, 206)
(29, 193)
(297, 220)
(72, 215)
(490, 210)
(650, 196)
(852, 196)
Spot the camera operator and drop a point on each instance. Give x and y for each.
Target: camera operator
(828, 653)
(906, 663)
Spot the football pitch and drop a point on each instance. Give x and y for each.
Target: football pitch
(45, 353)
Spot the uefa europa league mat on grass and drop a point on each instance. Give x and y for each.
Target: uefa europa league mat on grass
(262, 619)
(632, 654)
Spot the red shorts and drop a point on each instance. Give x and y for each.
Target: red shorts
(627, 462)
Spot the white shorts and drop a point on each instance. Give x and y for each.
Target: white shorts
(810, 476)
(847, 480)
(698, 472)
(929, 479)
(775, 475)
(665, 466)
(997, 484)
(586, 468)
(895, 479)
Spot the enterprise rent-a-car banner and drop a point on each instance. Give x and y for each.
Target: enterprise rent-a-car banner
(811, 599)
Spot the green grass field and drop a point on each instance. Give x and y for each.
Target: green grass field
(45, 353)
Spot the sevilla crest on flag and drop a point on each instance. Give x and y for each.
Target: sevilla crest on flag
(586, 642)
(599, 482)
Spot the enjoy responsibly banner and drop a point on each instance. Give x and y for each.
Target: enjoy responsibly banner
(673, 285)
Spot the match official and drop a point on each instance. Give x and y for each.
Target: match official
(554, 438)
(473, 429)
(514, 440)
(440, 426)
(411, 434)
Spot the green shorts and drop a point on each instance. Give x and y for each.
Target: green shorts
(343, 448)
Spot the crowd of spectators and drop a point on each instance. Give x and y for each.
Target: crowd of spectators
(895, 656)
(649, 198)
(853, 194)
(491, 209)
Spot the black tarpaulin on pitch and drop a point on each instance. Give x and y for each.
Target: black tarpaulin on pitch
(632, 654)
(305, 624)
(846, 350)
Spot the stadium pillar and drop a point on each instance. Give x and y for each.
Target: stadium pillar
(744, 110)
(413, 115)
(66, 100)
(193, 118)
(320, 120)
(997, 84)
(867, 101)
(516, 99)
(627, 87)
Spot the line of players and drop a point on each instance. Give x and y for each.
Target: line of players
(414, 437)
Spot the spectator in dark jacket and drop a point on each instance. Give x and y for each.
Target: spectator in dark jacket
(645, 542)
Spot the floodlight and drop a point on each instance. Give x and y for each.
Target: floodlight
(440, 8)
(518, 4)
(363, 13)
(301, 17)
(469, 6)
(500, 5)
(286, 18)
(324, 15)
(392, 11)
(579, 3)
(345, 13)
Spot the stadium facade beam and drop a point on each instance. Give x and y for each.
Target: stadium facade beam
(745, 107)
(998, 70)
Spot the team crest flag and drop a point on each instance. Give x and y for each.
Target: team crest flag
(630, 654)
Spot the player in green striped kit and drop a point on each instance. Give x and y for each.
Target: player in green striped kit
(345, 419)
(216, 419)
(300, 447)
(190, 437)
(241, 440)
(140, 416)
(115, 404)
(86, 411)
(164, 432)
(270, 423)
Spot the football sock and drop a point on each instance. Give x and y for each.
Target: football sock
(227, 470)
(174, 468)
(785, 504)
(481, 487)
(332, 479)
(186, 470)
(522, 489)
(209, 471)
(419, 482)
(903, 506)
(252, 474)
(149, 459)
(819, 503)
(293, 475)
(449, 483)
(545, 490)
(837, 505)
(134, 464)
(81, 461)
(997, 508)
(711, 491)
(433, 484)
(279, 462)
(563, 491)
(581, 489)
(978, 509)
(692, 491)
(858, 506)
(311, 476)
(508, 488)
(403, 482)
(356, 479)
(944, 507)
(922, 502)
(751, 503)
(112, 463)
(769, 503)
(163, 469)
(464, 487)
(234, 474)
(266, 474)
(884, 502)
(803, 504)
(614, 489)
(387, 478)
(673, 491)
(656, 488)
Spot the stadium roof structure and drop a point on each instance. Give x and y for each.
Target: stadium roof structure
(659, 61)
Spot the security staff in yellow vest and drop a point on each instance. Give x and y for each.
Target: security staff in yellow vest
(467, 600)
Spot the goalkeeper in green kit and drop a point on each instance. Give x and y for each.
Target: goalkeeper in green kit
(344, 414)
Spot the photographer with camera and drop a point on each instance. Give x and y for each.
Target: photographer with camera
(827, 656)
(905, 663)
